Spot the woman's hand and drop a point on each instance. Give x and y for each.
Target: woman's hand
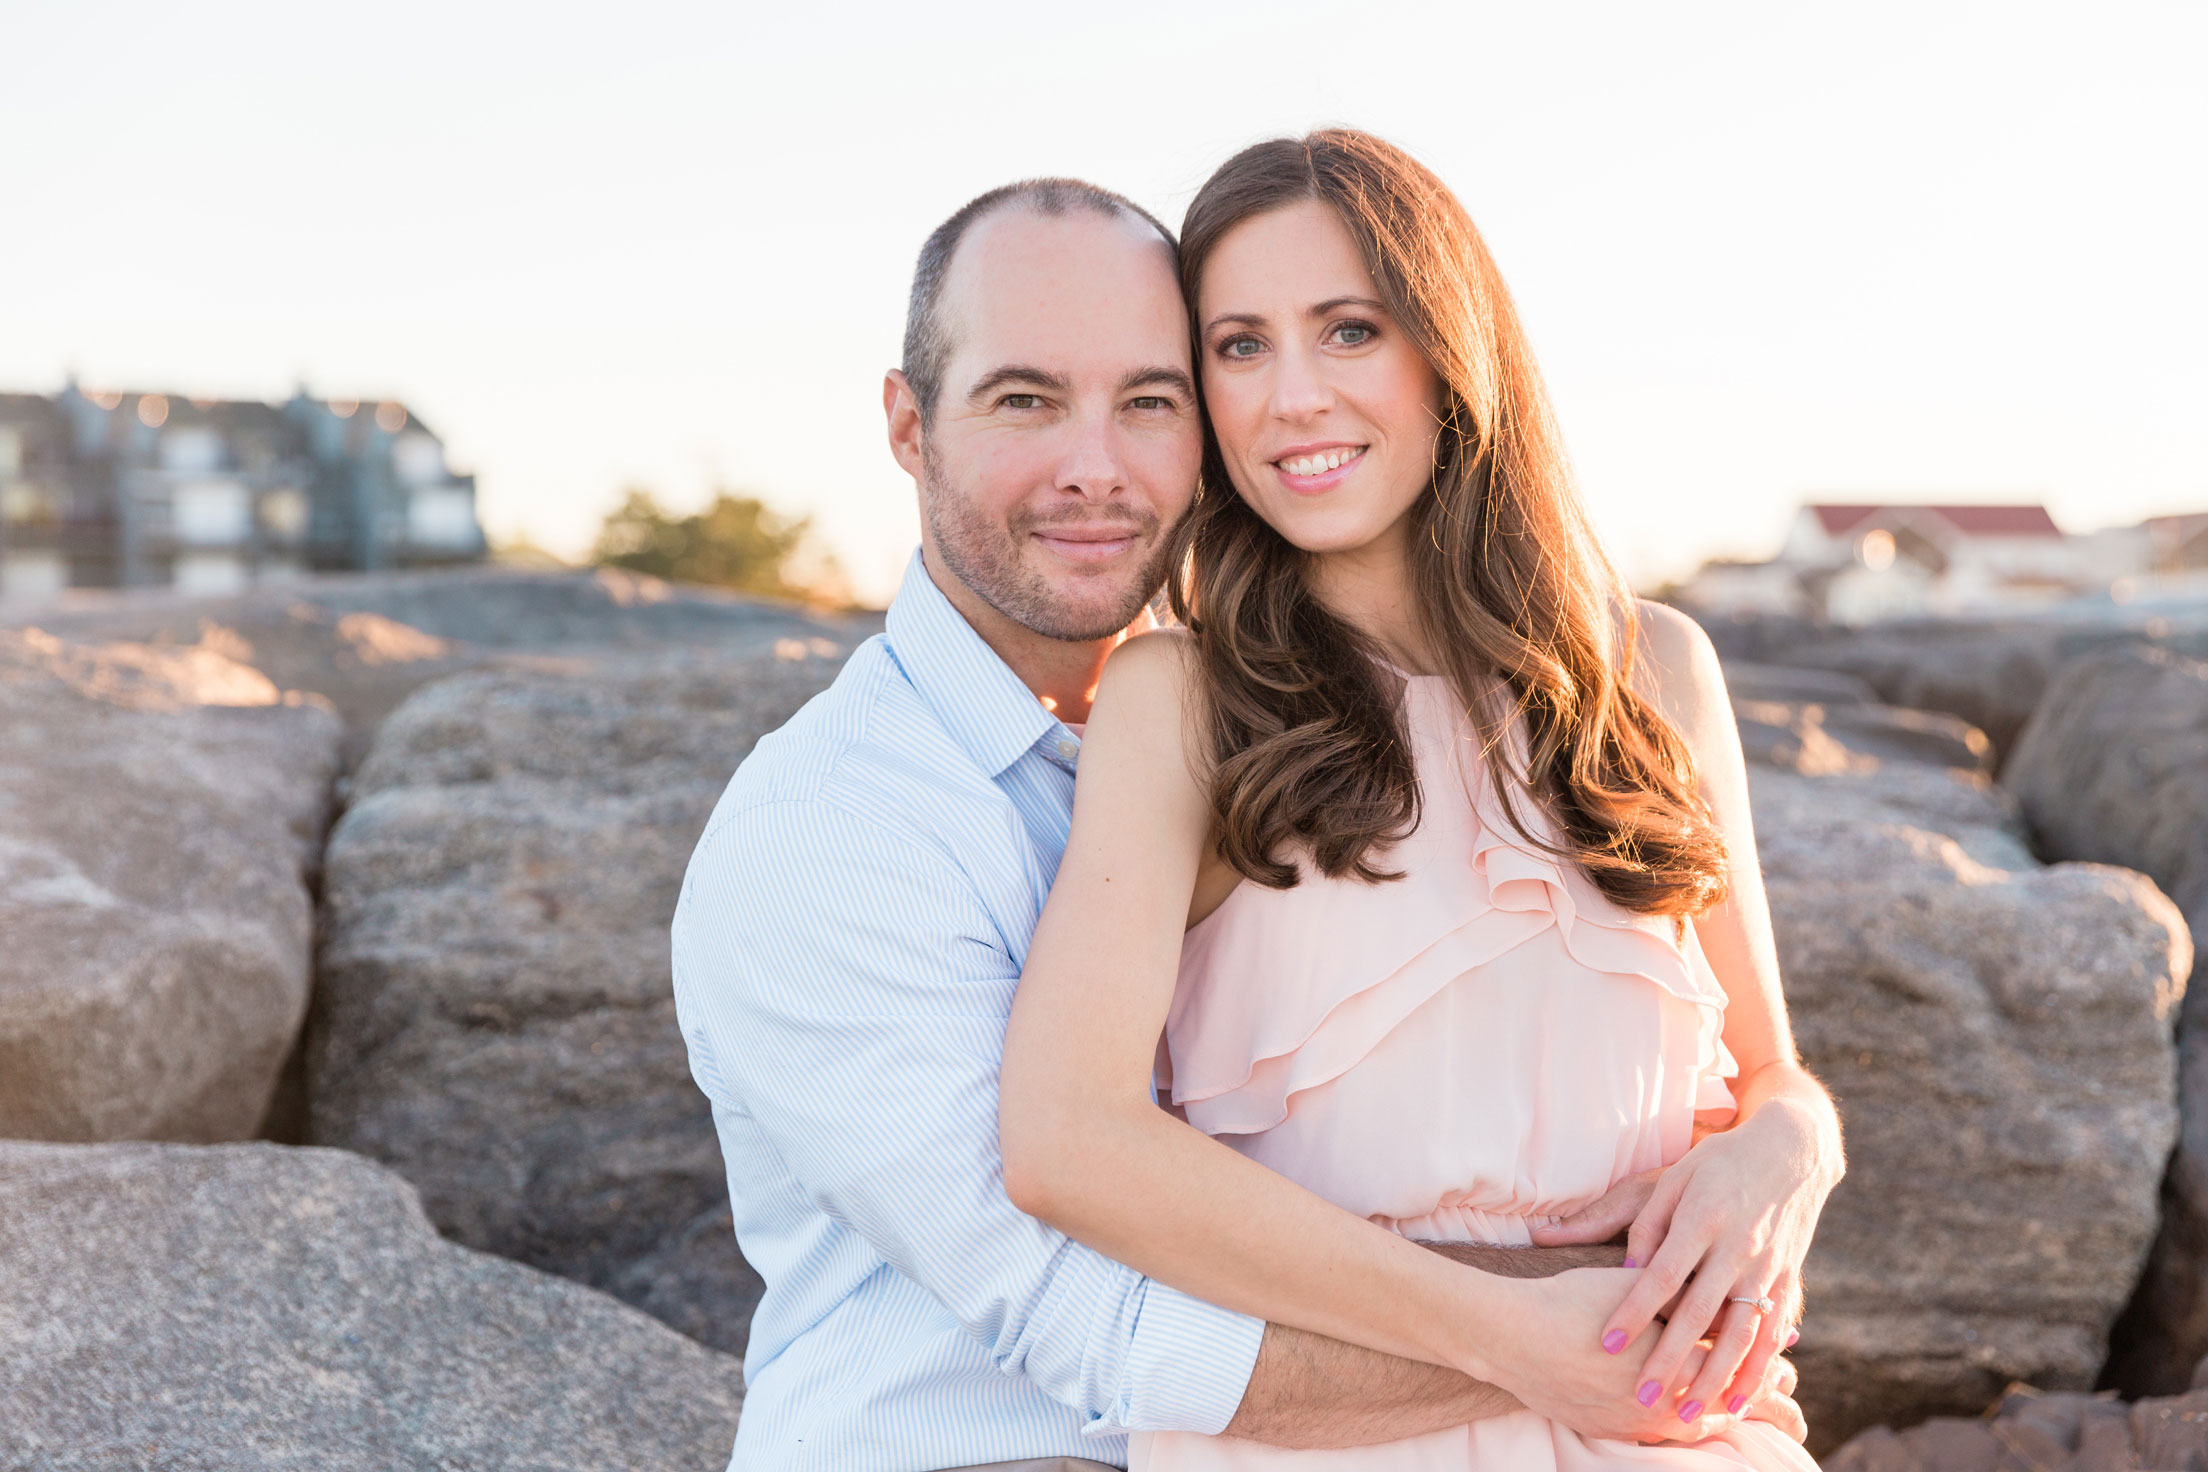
(1544, 1350)
(1732, 1219)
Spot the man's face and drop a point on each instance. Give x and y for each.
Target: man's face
(1066, 443)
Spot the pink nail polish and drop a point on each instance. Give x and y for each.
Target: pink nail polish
(1793, 1339)
(1690, 1410)
(1733, 1406)
(1629, 1262)
(1648, 1392)
(1613, 1341)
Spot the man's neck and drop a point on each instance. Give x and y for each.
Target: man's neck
(1062, 673)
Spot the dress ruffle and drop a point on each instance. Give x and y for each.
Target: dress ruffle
(1267, 1009)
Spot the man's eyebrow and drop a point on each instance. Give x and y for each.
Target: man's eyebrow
(1016, 373)
(1158, 377)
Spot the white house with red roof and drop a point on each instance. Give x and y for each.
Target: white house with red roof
(1878, 561)
(1856, 562)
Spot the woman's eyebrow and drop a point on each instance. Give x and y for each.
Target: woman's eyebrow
(1236, 319)
(1336, 303)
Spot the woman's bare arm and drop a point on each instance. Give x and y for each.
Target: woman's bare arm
(1783, 1151)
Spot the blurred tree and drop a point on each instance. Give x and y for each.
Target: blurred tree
(521, 550)
(736, 542)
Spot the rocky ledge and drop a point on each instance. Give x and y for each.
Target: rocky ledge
(519, 764)
(1998, 1035)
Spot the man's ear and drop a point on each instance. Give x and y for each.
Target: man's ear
(907, 439)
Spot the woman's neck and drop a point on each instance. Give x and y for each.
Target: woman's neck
(1369, 588)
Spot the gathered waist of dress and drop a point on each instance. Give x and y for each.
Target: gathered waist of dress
(1496, 1228)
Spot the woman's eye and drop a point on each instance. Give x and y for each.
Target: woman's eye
(1022, 401)
(1352, 334)
(1240, 347)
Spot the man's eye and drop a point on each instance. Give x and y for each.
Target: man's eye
(1022, 401)
(1150, 403)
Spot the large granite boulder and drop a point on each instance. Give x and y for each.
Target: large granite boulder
(365, 641)
(252, 1308)
(161, 813)
(1990, 670)
(2114, 767)
(2029, 1431)
(1998, 1035)
(494, 1017)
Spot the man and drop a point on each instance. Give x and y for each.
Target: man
(855, 917)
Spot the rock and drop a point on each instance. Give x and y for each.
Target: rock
(366, 641)
(1997, 1034)
(1991, 679)
(581, 609)
(1751, 681)
(161, 811)
(2114, 767)
(1817, 739)
(2028, 1431)
(260, 1307)
(495, 1018)
(1990, 671)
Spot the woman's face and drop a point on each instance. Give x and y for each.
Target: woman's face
(1325, 413)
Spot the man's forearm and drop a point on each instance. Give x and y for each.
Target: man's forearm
(1311, 1391)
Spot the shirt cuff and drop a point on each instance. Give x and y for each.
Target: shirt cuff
(1187, 1368)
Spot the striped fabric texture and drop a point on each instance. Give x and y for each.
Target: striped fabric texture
(849, 937)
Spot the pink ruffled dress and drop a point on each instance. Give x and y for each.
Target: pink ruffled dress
(1487, 1043)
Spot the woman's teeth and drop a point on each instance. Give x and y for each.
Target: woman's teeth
(1322, 462)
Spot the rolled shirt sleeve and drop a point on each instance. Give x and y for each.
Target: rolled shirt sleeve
(846, 983)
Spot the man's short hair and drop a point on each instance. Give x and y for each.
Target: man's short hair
(927, 341)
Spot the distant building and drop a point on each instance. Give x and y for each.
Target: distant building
(2176, 544)
(1858, 562)
(146, 490)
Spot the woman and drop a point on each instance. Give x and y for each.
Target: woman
(1427, 852)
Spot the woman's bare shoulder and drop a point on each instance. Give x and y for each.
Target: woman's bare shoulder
(1149, 691)
(1152, 672)
(1677, 668)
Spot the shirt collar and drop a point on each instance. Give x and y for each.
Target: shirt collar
(988, 710)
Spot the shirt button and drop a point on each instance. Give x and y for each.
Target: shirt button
(1067, 749)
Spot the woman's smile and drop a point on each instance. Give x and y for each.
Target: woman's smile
(1307, 469)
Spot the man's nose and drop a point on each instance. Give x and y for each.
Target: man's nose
(1093, 466)
(1300, 389)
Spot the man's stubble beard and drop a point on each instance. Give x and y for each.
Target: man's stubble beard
(985, 556)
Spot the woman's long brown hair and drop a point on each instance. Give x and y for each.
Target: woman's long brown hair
(1305, 723)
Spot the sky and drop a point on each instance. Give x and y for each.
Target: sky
(1765, 253)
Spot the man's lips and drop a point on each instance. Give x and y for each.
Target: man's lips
(1088, 543)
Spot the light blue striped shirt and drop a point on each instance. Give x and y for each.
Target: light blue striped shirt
(850, 934)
